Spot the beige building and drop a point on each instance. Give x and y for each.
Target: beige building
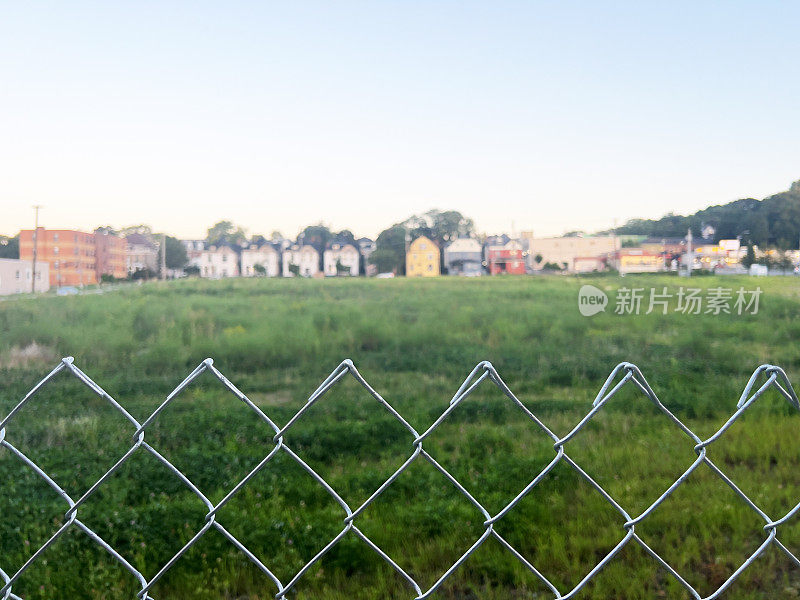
(565, 251)
(141, 254)
(422, 258)
(16, 276)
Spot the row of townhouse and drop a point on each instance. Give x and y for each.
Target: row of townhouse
(280, 259)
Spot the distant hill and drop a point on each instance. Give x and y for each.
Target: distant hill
(773, 221)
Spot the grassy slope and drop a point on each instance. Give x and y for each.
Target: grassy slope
(414, 341)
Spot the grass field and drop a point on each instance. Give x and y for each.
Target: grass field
(414, 341)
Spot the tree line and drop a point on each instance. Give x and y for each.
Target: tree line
(771, 222)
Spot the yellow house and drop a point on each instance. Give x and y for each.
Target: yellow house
(422, 258)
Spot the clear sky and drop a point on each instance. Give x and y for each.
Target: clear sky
(549, 115)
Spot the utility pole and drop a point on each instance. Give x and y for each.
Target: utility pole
(689, 253)
(36, 208)
(163, 256)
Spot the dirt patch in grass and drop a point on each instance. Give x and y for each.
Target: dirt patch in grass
(32, 355)
(276, 398)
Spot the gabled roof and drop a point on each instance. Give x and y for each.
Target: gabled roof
(139, 239)
(464, 245)
(424, 239)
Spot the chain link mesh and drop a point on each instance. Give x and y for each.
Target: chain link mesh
(763, 378)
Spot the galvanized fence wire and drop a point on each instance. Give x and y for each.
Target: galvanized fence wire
(763, 378)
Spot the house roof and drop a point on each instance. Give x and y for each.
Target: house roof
(463, 245)
(139, 239)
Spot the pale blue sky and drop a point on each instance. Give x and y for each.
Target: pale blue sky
(550, 115)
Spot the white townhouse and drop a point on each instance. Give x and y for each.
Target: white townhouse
(217, 262)
(344, 255)
(305, 259)
(265, 255)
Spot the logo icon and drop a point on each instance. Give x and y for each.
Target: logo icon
(591, 300)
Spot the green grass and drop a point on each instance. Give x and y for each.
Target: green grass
(414, 341)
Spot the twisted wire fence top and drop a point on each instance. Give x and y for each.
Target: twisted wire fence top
(763, 378)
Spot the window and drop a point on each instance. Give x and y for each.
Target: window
(55, 237)
(224, 258)
(55, 250)
(430, 267)
(17, 274)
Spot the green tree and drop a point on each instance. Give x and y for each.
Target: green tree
(440, 226)
(341, 269)
(140, 229)
(345, 236)
(107, 229)
(771, 222)
(390, 250)
(9, 246)
(750, 257)
(318, 236)
(176, 253)
(225, 232)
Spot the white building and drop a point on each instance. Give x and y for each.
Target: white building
(345, 255)
(15, 276)
(265, 255)
(141, 254)
(216, 262)
(304, 258)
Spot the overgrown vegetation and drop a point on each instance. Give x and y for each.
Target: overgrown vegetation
(414, 341)
(771, 222)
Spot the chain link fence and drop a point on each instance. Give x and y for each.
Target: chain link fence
(764, 378)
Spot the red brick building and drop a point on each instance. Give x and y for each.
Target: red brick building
(110, 252)
(69, 253)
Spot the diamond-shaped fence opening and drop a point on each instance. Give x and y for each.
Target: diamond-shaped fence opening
(351, 437)
(52, 575)
(344, 543)
(629, 448)
(489, 441)
(702, 531)
(423, 521)
(576, 527)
